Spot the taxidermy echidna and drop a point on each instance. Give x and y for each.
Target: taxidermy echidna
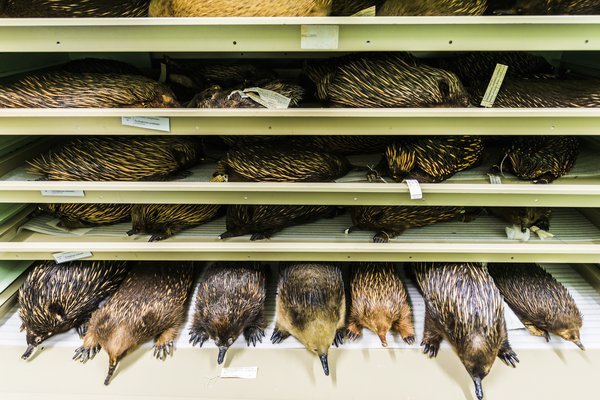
(162, 221)
(232, 8)
(311, 306)
(392, 221)
(524, 217)
(263, 221)
(230, 302)
(218, 97)
(57, 297)
(542, 303)
(463, 306)
(268, 163)
(125, 158)
(377, 81)
(428, 159)
(344, 144)
(75, 9)
(149, 304)
(540, 159)
(82, 215)
(99, 66)
(379, 302)
(432, 7)
(553, 7)
(61, 89)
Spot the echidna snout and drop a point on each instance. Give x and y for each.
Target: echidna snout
(33, 340)
(324, 363)
(571, 335)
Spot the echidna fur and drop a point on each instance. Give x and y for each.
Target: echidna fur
(75, 9)
(554, 7)
(82, 215)
(232, 8)
(432, 7)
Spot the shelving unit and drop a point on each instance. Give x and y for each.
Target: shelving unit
(400, 371)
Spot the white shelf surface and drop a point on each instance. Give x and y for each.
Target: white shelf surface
(193, 371)
(283, 34)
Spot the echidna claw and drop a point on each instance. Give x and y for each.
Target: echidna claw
(163, 350)
(339, 337)
(198, 338)
(509, 357)
(83, 354)
(430, 349)
(278, 336)
(253, 334)
(409, 340)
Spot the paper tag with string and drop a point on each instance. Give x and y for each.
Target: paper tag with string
(265, 97)
(542, 234)
(495, 179)
(414, 188)
(494, 86)
(239, 372)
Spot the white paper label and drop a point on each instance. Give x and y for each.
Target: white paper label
(67, 256)
(63, 193)
(239, 372)
(495, 179)
(155, 123)
(415, 189)
(367, 12)
(515, 233)
(319, 37)
(494, 85)
(163, 73)
(264, 97)
(542, 234)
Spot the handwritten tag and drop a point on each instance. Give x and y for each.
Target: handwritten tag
(319, 37)
(495, 179)
(264, 97)
(67, 256)
(415, 189)
(494, 86)
(63, 193)
(154, 123)
(239, 372)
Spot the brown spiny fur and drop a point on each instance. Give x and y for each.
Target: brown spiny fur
(378, 81)
(263, 221)
(232, 8)
(525, 217)
(463, 306)
(149, 304)
(542, 92)
(350, 144)
(57, 297)
(541, 302)
(432, 7)
(124, 158)
(85, 90)
(379, 302)
(75, 9)
(429, 159)
(311, 306)
(268, 163)
(391, 221)
(81, 215)
(556, 7)
(351, 7)
(162, 221)
(217, 97)
(99, 66)
(230, 302)
(244, 140)
(540, 159)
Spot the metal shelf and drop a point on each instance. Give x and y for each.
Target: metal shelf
(283, 34)
(307, 121)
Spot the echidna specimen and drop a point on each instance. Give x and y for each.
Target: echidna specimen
(541, 302)
(429, 159)
(230, 301)
(539, 93)
(85, 90)
(268, 163)
(343, 144)
(149, 304)
(476, 66)
(432, 7)
(351, 7)
(57, 297)
(233, 8)
(392, 221)
(218, 97)
(554, 7)
(81, 215)
(263, 221)
(99, 66)
(162, 221)
(540, 159)
(76, 9)
(244, 140)
(378, 81)
(311, 306)
(125, 158)
(379, 302)
(525, 217)
(463, 306)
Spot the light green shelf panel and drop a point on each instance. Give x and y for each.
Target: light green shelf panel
(283, 34)
(307, 121)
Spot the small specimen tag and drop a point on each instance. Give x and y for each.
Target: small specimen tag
(163, 73)
(542, 234)
(494, 85)
(239, 372)
(495, 179)
(67, 256)
(266, 98)
(514, 233)
(319, 37)
(367, 12)
(63, 193)
(154, 123)
(415, 189)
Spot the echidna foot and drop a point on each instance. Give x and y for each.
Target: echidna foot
(353, 331)
(83, 354)
(161, 351)
(261, 235)
(409, 340)
(381, 237)
(279, 336)
(431, 349)
(81, 330)
(509, 357)
(198, 337)
(339, 337)
(253, 334)
(158, 236)
(373, 176)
